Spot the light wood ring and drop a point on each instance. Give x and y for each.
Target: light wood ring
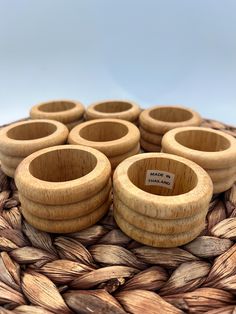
(61, 212)
(113, 109)
(63, 110)
(160, 119)
(52, 175)
(116, 160)
(10, 172)
(110, 136)
(67, 225)
(152, 138)
(192, 187)
(211, 149)
(160, 226)
(10, 161)
(73, 124)
(154, 239)
(149, 147)
(224, 185)
(23, 138)
(221, 174)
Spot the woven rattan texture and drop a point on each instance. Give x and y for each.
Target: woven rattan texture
(101, 270)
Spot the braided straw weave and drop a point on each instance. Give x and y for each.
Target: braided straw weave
(101, 270)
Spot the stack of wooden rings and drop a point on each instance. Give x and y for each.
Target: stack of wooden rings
(114, 109)
(117, 139)
(19, 140)
(66, 111)
(214, 150)
(161, 199)
(64, 188)
(158, 120)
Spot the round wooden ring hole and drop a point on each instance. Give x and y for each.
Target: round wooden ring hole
(113, 106)
(185, 179)
(171, 114)
(31, 130)
(56, 106)
(62, 165)
(202, 140)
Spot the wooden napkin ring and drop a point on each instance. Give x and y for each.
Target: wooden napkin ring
(65, 111)
(62, 174)
(113, 109)
(160, 119)
(149, 147)
(152, 138)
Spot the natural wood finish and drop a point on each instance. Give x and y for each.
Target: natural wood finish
(73, 124)
(116, 160)
(67, 225)
(160, 119)
(10, 161)
(224, 185)
(154, 239)
(10, 172)
(23, 138)
(221, 174)
(209, 148)
(113, 109)
(149, 147)
(113, 137)
(63, 110)
(68, 211)
(62, 174)
(152, 138)
(159, 226)
(192, 189)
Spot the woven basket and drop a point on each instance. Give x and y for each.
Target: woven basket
(101, 270)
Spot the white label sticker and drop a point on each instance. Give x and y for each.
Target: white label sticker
(160, 178)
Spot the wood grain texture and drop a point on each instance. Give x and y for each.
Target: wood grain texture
(10, 161)
(63, 110)
(192, 189)
(113, 109)
(160, 119)
(116, 160)
(67, 225)
(112, 137)
(72, 173)
(150, 137)
(149, 147)
(73, 124)
(68, 211)
(220, 174)
(209, 148)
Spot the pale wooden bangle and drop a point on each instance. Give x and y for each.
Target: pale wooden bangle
(67, 225)
(73, 124)
(116, 160)
(160, 119)
(224, 185)
(9, 171)
(10, 161)
(149, 147)
(152, 138)
(112, 137)
(191, 192)
(68, 211)
(113, 109)
(154, 239)
(62, 174)
(160, 226)
(23, 138)
(65, 111)
(221, 174)
(209, 148)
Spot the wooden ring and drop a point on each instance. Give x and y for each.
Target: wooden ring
(67, 225)
(209, 148)
(61, 212)
(154, 239)
(116, 160)
(160, 119)
(71, 125)
(223, 185)
(190, 192)
(113, 109)
(10, 161)
(160, 226)
(152, 138)
(149, 147)
(110, 136)
(10, 172)
(65, 111)
(23, 138)
(221, 174)
(63, 174)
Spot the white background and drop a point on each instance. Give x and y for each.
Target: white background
(149, 51)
